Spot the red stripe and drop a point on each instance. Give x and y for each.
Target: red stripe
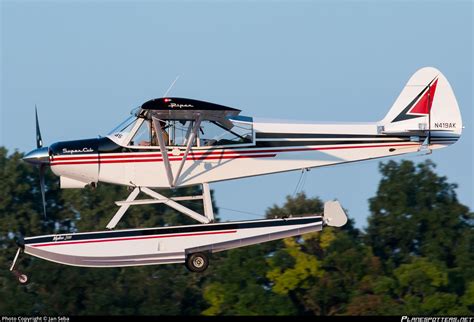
(228, 157)
(124, 158)
(83, 162)
(151, 155)
(171, 159)
(97, 161)
(105, 156)
(131, 238)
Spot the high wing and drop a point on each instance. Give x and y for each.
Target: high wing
(183, 109)
(175, 108)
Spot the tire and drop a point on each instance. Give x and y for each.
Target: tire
(197, 262)
(23, 279)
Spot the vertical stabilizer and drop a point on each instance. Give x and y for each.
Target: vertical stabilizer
(427, 102)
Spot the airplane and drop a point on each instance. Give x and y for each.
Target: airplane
(172, 142)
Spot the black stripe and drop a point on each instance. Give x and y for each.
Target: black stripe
(261, 144)
(107, 146)
(174, 230)
(442, 141)
(260, 135)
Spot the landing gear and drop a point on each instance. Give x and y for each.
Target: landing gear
(197, 262)
(205, 218)
(22, 278)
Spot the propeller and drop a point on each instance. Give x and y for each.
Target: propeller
(40, 158)
(43, 193)
(39, 140)
(39, 144)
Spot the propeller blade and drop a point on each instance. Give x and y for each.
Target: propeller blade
(42, 168)
(39, 141)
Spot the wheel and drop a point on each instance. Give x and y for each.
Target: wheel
(22, 278)
(197, 262)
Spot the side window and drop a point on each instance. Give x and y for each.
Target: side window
(174, 133)
(145, 135)
(180, 131)
(213, 133)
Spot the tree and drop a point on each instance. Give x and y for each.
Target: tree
(416, 256)
(57, 289)
(239, 286)
(245, 280)
(424, 237)
(312, 274)
(416, 213)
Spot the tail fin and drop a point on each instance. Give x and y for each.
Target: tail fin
(426, 104)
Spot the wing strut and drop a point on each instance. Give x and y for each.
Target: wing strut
(164, 151)
(173, 179)
(189, 144)
(207, 201)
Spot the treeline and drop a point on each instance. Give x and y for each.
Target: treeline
(416, 256)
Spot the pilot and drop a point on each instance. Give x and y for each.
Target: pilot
(166, 136)
(154, 139)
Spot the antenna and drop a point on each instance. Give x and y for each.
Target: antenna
(429, 116)
(171, 86)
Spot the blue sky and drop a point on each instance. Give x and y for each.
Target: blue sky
(87, 63)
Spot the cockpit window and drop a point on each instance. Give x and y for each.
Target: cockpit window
(214, 133)
(135, 111)
(125, 126)
(145, 135)
(177, 132)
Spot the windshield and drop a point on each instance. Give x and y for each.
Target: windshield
(125, 124)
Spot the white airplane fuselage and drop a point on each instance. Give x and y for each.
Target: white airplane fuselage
(277, 147)
(425, 116)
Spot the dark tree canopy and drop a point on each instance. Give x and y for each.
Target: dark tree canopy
(416, 213)
(415, 257)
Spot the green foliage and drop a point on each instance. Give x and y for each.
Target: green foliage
(468, 298)
(421, 277)
(299, 205)
(239, 286)
(416, 256)
(56, 289)
(299, 276)
(416, 212)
